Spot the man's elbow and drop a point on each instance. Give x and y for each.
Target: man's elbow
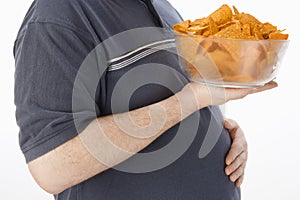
(45, 177)
(64, 167)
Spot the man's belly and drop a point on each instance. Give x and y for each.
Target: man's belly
(186, 178)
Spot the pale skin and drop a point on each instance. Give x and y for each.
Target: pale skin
(104, 143)
(237, 157)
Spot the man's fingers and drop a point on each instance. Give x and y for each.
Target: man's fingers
(235, 150)
(239, 161)
(239, 182)
(237, 173)
(234, 93)
(267, 86)
(237, 157)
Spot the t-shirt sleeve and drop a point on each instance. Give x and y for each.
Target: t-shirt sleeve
(47, 59)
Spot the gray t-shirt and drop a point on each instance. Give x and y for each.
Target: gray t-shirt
(54, 41)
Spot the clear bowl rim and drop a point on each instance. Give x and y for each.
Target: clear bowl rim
(229, 39)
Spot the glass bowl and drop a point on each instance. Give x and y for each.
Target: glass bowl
(236, 63)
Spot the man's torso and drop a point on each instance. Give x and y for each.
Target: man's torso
(188, 177)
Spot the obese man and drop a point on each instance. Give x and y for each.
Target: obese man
(87, 144)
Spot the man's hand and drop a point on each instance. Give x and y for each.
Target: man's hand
(237, 157)
(211, 95)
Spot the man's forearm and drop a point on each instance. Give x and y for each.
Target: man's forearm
(108, 141)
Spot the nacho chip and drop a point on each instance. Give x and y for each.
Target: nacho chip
(233, 31)
(233, 49)
(208, 46)
(197, 29)
(277, 35)
(246, 30)
(238, 78)
(212, 26)
(257, 34)
(200, 22)
(192, 71)
(224, 62)
(182, 27)
(206, 33)
(266, 29)
(222, 26)
(236, 12)
(222, 15)
(245, 18)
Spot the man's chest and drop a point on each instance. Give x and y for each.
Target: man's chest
(142, 65)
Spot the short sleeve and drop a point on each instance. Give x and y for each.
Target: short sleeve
(47, 59)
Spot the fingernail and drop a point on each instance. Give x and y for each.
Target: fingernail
(227, 172)
(273, 84)
(232, 178)
(228, 162)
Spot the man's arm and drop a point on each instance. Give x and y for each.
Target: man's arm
(104, 143)
(94, 150)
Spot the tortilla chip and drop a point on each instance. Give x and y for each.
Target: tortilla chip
(212, 26)
(200, 22)
(278, 36)
(182, 27)
(233, 31)
(266, 29)
(222, 15)
(257, 34)
(246, 30)
(236, 12)
(197, 28)
(238, 78)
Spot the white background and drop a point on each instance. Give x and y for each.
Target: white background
(270, 119)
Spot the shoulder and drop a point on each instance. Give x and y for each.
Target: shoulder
(54, 11)
(61, 13)
(66, 10)
(54, 17)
